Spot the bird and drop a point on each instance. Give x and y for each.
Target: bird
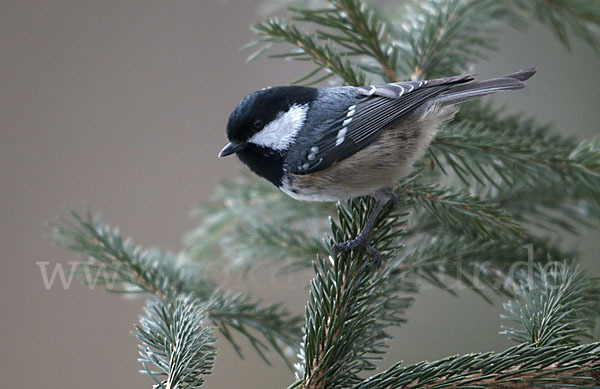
(338, 143)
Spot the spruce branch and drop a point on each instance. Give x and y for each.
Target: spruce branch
(174, 340)
(555, 309)
(487, 149)
(351, 303)
(326, 56)
(342, 328)
(510, 159)
(555, 305)
(459, 210)
(295, 248)
(440, 37)
(521, 366)
(150, 271)
(581, 18)
(477, 263)
(556, 207)
(248, 234)
(276, 326)
(348, 28)
(168, 276)
(240, 217)
(358, 29)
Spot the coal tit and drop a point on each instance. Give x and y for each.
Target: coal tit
(330, 144)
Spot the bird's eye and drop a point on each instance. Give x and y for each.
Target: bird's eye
(258, 125)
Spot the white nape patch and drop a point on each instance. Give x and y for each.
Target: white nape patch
(341, 136)
(372, 90)
(282, 131)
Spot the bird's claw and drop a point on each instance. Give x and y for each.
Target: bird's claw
(394, 198)
(359, 242)
(362, 240)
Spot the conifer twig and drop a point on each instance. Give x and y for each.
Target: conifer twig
(555, 305)
(168, 276)
(522, 366)
(460, 210)
(350, 304)
(175, 341)
(481, 146)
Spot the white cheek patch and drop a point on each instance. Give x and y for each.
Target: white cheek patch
(282, 131)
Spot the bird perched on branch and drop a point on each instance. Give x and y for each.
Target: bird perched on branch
(331, 144)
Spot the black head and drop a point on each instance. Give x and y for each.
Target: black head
(263, 123)
(259, 108)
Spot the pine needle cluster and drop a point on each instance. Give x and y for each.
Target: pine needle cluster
(490, 184)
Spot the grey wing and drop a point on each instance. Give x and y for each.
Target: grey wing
(381, 106)
(397, 90)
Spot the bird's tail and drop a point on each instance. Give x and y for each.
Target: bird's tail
(466, 92)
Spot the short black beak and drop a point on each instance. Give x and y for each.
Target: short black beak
(231, 148)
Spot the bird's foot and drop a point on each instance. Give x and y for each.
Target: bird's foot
(359, 242)
(362, 240)
(394, 198)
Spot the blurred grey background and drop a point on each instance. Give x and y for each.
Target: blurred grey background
(122, 105)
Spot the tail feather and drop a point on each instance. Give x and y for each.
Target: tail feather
(467, 92)
(523, 75)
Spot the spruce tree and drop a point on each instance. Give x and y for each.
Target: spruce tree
(489, 184)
